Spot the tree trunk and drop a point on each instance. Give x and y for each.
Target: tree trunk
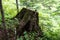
(17, 6)
(3, 22)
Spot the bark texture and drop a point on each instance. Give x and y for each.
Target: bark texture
(28, 21)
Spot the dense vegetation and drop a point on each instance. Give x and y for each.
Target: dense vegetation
(49, 16)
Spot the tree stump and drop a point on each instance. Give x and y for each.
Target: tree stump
(28, 21)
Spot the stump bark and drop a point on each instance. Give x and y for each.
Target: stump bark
(28, 21)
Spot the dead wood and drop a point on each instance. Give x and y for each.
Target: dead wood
(28, 22)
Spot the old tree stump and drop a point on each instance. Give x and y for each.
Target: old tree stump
(28, 21)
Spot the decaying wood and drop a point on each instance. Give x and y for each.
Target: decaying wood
(23, 22)
(28, 22)
(20, 14)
